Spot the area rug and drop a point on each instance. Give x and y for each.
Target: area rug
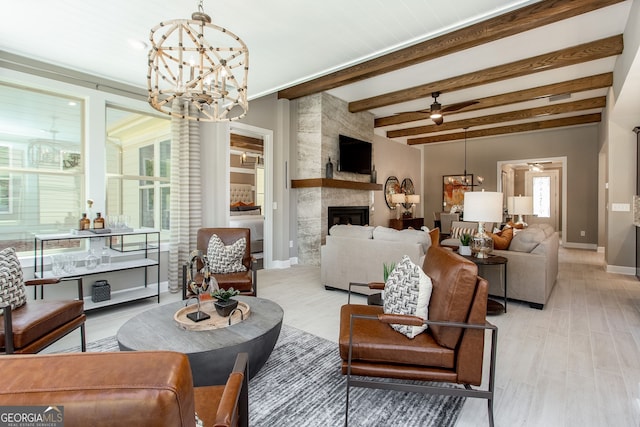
(301, 385)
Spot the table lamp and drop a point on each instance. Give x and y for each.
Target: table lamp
(482, 206)
(414, 199)
(398, 199)
(520, 205)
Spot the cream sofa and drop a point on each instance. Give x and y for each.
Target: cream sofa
(532, 268)
(354, 253)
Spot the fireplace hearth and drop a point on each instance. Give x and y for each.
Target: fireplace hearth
(354, 215)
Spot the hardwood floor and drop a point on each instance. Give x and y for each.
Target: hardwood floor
(575, 363)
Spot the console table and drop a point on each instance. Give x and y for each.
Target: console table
(402, 223)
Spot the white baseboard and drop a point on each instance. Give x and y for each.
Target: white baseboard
(619, 269)
(284, 264)
(588, 246)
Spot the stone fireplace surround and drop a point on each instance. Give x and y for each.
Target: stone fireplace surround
(321, 118)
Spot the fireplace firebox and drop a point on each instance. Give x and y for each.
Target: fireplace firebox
(354, 215)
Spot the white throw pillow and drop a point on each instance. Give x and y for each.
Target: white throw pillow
(12, 289)
(407, 291)
(226, 259)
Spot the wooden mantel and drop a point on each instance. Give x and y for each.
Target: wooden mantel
(334, 183)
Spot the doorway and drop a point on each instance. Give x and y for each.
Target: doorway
(257, 166)
(543, 178)
(543, 187)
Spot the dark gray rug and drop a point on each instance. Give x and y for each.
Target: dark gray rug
(301, 385)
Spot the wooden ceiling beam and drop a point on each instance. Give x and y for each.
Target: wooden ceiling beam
(529, 113)
(505, 25)
(523, 127)
(246, 142)
(571, 86)
(586, 52)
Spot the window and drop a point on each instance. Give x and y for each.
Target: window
(138, 153)
(542, 196)
(41, 164)
(5, 182)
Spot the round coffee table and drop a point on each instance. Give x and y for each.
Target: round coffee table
(211, 353)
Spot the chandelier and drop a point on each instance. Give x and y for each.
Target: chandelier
(466, 179)
(207, 71)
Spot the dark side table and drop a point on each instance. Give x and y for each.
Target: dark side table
(494, 307)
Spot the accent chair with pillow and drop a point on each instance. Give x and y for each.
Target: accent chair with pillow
(230, 262)
(383, 342)
(30, 326)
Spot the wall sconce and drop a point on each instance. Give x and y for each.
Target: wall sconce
(246, 160)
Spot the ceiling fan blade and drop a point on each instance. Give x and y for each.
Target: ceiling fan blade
(427, 112)
(458, 106)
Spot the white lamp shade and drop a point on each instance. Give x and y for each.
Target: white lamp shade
(413, 198)
(483, 206)
(520, 205)
(397, 198)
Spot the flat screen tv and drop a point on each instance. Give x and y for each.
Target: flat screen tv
(355, 155)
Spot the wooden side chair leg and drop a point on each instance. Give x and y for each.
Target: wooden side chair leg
(83, 338)
(8, 329)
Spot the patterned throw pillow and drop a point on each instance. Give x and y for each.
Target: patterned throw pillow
(12, 289)
(457, 232)
(226, 259)
(407, 291)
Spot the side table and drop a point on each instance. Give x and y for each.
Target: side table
(402, 223)
(493, 307)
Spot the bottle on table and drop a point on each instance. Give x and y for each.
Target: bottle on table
(85, 223)
(98, 222)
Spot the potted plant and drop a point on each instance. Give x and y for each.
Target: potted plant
(224, 304)
(465, 242)
(387, 269)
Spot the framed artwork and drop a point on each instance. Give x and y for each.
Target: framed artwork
(453, 189)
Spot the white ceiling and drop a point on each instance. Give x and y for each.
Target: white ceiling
(291, 42)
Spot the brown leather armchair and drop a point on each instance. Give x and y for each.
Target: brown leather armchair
(138, 388)
(244, 281)
(36, 324)
(451, 350)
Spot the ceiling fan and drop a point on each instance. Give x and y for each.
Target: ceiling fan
(436, 111)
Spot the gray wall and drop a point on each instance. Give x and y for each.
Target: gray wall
(578, 144)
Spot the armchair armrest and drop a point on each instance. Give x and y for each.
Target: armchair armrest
(371, 285)
(38, 282)
(235, 396)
